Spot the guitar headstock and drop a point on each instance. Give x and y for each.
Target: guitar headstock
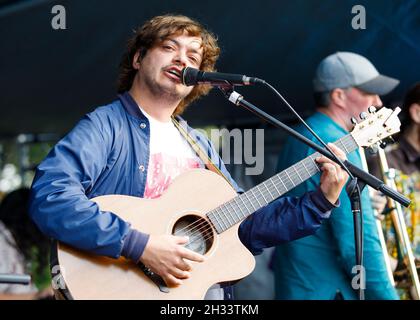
(376, 126)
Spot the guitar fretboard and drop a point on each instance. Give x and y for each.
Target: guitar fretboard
(240, 207)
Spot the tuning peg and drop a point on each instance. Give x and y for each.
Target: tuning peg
(383, 144)
(353, 120)
(363, 115)
(372, 109)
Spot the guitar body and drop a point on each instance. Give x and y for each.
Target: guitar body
(189, 198)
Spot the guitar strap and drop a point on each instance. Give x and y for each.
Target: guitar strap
(199, 151)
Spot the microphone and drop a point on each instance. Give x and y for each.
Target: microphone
(191, 77)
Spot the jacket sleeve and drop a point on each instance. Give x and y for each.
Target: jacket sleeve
(285, 219)
(58, 202)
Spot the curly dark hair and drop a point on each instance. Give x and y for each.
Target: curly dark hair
(14, 215)
(154, 32)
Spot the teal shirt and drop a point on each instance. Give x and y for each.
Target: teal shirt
(318, 266)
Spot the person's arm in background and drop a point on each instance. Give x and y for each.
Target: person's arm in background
(12, 262)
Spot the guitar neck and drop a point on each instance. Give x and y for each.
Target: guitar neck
(240, 207)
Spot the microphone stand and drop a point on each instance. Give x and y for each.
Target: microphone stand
(359, 178)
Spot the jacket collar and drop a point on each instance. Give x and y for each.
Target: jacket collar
(131, 106)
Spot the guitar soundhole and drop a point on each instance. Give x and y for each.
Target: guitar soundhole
(198, 230)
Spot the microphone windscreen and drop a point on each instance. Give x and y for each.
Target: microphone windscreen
(189, 76)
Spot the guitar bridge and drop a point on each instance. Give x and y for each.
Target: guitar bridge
(156, 279)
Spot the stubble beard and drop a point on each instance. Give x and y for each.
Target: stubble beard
(162, 92)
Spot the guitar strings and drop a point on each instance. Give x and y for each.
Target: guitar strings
(203, 222)
(201, 226)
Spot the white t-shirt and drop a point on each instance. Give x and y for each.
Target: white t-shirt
(170, 156)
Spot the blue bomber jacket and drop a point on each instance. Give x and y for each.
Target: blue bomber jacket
(107, 152)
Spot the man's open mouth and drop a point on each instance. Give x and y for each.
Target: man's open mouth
(174, 73)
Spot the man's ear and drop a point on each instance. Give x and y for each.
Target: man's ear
(414, 111)
(338, 97)
(136, 60)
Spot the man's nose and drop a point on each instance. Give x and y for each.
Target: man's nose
(377, 101)
(180, 58)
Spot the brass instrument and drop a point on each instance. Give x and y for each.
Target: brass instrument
(398, 220)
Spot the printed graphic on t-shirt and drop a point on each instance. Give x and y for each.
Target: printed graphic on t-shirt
(163, 169)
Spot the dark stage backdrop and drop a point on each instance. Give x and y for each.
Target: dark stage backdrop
(50, 78)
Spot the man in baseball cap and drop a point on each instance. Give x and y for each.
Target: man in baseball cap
(346, 84)
(347, 69)
(322, 266)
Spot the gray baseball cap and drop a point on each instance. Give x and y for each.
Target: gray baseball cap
(347, 69)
